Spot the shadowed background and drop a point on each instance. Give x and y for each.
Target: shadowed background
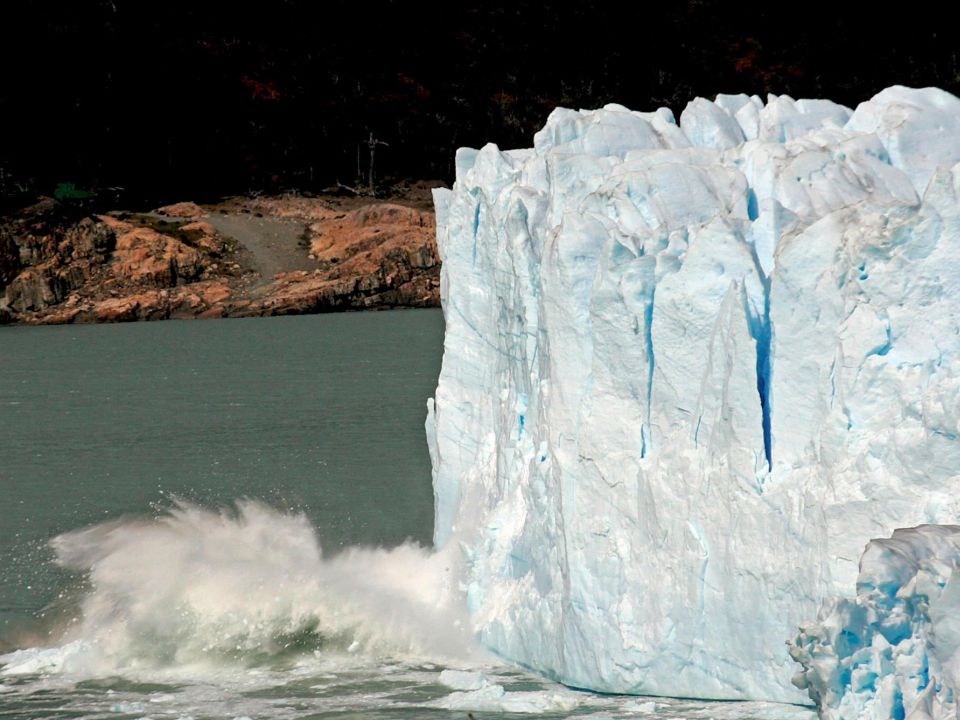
(169, 100)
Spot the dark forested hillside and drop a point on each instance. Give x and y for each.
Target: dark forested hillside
(169, 99)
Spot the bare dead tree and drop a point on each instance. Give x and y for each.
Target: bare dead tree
(372, 144)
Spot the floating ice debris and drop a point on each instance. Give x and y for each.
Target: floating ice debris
(493, 698)
(463, 679)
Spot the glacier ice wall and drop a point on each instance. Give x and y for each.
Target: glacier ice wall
(893, 651)
(689, 371)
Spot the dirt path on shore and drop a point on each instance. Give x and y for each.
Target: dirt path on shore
(274, 244)
(241, 257)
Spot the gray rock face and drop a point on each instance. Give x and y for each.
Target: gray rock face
(9, 258)
(45, 255)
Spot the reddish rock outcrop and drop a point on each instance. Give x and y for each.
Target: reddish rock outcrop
(146, 257)
(182, 210)
(206, 237)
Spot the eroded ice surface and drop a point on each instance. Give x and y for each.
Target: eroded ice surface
(689, 371)
(892, 651)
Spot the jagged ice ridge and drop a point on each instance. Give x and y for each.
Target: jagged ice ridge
(893, 651)
(689, 371)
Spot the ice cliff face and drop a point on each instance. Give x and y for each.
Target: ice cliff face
(689, 371)
(891, 652)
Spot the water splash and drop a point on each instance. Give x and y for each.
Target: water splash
(246, 586)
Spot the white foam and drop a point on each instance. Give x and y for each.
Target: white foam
(643, 708)
(128, 707)
(375, 687)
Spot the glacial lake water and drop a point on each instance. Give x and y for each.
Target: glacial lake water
(225, 472)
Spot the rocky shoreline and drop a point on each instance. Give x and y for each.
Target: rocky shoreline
(239, 258)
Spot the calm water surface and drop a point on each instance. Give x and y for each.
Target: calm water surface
(215, 611)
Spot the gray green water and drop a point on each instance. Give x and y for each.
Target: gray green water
(319, 420)
(322, 414)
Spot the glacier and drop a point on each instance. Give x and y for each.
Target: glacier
(690, 370)
(893, 651)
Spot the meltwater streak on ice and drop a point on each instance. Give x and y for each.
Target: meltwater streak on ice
(195, 589)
